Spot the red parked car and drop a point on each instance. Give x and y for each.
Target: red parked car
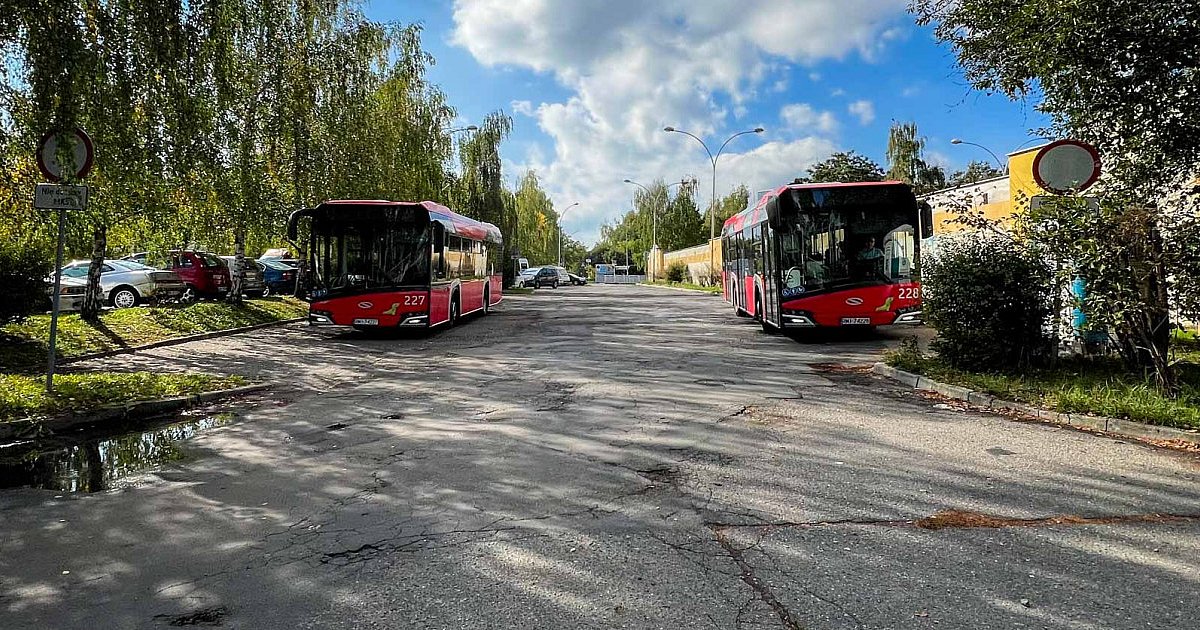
(205, 274)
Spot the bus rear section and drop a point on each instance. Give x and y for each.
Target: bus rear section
(382, 264)
(826, 255)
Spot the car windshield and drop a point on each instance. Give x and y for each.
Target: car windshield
(79, 271)
(128, 265)
(274, 264)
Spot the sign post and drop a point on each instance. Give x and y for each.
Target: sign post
(61, 157)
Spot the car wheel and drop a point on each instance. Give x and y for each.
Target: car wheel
(124, 297)
(266, 291)
(189, 295)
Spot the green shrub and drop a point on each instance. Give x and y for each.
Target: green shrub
(990, 300)
(677, 272)
(22, 281)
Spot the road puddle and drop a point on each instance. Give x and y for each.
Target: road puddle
(94, 460)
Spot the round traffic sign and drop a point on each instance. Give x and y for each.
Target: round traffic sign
(78, 158)
(1066, 166)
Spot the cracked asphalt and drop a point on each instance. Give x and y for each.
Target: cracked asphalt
(605, 457)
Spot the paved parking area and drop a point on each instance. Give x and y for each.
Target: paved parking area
(606, 457)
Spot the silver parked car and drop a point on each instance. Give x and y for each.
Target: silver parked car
(126, 283)
(252, 282)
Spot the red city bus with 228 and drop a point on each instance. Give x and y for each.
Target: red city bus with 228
(388, 264)
(826, 255)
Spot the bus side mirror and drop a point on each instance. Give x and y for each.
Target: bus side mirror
(293, 221)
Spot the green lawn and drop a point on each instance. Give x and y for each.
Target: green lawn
(1097, 387)
(23, 344)
(23, 396)
(714, 289)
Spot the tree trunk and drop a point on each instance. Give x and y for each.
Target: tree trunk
(94, 297)
(237, 275)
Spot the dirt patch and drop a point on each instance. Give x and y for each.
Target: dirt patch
(839, 368)
(961, 519)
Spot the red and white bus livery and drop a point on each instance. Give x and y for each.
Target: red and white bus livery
(389, 264)
(826, 255)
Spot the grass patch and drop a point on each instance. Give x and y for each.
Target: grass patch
(23, 344)
(1096, 387)
(23, 396)
(714, 289)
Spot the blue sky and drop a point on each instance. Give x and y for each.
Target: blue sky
(591, 83)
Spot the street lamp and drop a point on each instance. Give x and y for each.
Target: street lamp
(1002, 165)
(654, 211)
(560, 230)
(467, 128)
(712, 208)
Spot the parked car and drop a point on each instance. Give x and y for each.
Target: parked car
(577, 280)
(547, 277)
(139, 257)
(252, 281)
(527, 277)
(281, 255)
(126, 283)
(278, 276)
(70, 293)
(203, 274)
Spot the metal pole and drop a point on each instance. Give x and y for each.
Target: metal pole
(58, 261)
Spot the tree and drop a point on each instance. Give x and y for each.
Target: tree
(906, 160)
(975, 172)
(1121, 75)
(729, 205)
(843, 166)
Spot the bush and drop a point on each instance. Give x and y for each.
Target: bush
(989, 299)
(23, 271)
(677, 272)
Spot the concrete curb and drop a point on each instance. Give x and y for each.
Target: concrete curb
(174, 341)
(127, 411)
(1127, 428)
(660, 286)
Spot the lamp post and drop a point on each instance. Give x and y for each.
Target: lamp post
(560, 230)
(712, 207)
(1002, 165)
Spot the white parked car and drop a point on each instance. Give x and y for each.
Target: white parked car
(125, 283)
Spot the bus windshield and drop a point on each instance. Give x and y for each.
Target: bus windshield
(864, 240)
(369, 248)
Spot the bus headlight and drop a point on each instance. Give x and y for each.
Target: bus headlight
(801, 319)
(320, 317)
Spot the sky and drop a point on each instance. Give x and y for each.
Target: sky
(590, 85)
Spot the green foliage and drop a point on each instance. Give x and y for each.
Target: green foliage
(1085, 386)
(706, 288)
(989, 299)
(25, 343)
(906, 160)
(23, 274)
(677, 272)
(25, 396)
(975, 172)
(1121, 75)
(843, 166)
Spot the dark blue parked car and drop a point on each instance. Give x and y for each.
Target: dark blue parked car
(279, 277)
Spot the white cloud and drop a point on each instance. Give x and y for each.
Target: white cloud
(814, 76)
(837, 93)
(634, 67)
(802, 117)
(524, 108)
(864, 110)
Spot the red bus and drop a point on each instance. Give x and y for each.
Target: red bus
(387, 264)
(826, 255)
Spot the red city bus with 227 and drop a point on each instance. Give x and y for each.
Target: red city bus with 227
(388, 264)
(826, 255)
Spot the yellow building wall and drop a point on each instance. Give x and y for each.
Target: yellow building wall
(698, 255)
(1021, 188)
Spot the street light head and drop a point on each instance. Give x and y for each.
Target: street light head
(759, 130)
(629, 181)
(668, 129)
(956, 141)
(471, 128)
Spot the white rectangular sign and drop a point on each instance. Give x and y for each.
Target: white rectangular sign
(60, 197)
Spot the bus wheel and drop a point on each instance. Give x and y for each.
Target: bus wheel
(454, 311)
(487, 301)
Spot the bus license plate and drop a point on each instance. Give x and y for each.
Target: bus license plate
(366, 322)
(856, 321)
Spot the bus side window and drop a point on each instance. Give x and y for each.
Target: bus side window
(481, 263)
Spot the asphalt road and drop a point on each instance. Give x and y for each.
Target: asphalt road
(605, 457)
